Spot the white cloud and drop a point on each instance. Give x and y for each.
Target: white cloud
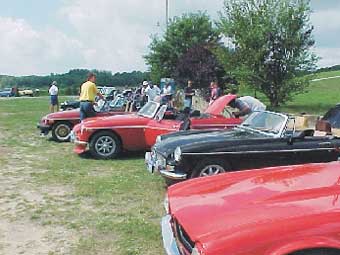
(114, 35)
(27, 51)
(329, 56)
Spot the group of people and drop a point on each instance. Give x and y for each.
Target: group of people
(150, 92)
(245, 105)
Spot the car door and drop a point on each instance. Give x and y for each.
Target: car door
(159, 126)
(263, 152)
(315, 149)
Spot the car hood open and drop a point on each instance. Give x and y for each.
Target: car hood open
(227, 207)
(217, 107)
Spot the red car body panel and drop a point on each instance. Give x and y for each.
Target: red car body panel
(140, 133)
(275, 210)
(217, 107)
(73, 116)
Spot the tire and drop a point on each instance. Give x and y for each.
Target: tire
(317, 252)
(61, 131)
(105, 145)
(209, 167)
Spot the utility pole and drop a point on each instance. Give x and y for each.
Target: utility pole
(167, 13)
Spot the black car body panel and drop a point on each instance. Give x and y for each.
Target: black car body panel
(240, 149)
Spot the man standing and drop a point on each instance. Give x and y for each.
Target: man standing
(167, 94)
(152, 91)
(246, 105)
(189, 93)
(88, 92)
(53, 91)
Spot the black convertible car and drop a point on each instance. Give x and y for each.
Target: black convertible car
(264, 139)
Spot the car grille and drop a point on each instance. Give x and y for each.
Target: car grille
(183, 237)
(160, 161)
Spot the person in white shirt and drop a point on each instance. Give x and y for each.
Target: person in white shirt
(253, 103)
(167, 94)
(53, 91)
(152, 91)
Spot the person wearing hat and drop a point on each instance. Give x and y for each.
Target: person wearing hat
(88, 93)
(143, 94)
(53, 91)
(152, 92)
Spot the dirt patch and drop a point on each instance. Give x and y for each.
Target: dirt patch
(24, 237)
(20, 198)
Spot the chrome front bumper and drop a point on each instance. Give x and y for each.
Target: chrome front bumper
(169, 241)
(173, 175)
(73, 139)
(166, 171)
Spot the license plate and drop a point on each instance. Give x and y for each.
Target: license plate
(148, 162)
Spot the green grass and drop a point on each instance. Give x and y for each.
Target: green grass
(317, 99)
(114, 206)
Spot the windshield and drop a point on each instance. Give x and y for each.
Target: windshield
(267, 122)
(149, 110)
(118, 102)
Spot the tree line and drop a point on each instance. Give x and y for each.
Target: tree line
(74, 78)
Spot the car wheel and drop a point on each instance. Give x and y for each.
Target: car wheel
(105, 145)
(210, 167)
(61, 131)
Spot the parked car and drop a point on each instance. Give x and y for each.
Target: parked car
(8, 92)
(263, 139)
(70, 105)
(26, 92)
(290, 210)
(106, 137)
(61, 123)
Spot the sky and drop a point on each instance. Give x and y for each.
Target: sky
(53, 36)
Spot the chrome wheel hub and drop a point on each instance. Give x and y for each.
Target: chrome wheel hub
(105, 145)
(63, 131)
(212, 170)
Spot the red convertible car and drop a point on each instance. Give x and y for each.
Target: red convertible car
(292, 210)
(107, 137)
(61, 123)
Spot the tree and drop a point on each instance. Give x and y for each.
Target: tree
(200, 65)
(272, 39)
(190, 34)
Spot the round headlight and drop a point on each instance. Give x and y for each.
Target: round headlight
(178, 154)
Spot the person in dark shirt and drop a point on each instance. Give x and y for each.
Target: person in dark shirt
(189, 93)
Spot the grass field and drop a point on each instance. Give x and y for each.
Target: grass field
(54, 202)
(319, 97)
